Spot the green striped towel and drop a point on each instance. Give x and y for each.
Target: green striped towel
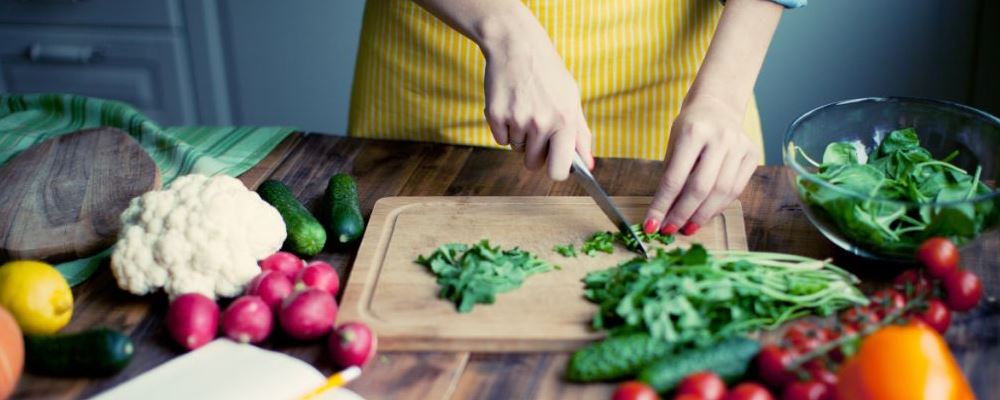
(29, 119)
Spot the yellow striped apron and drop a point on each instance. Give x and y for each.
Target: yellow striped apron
(634, 60)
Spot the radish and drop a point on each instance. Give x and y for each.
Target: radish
(247, 320)
(319, 275)
(352, 344)
(272, 287)
(284, 262)
(193, 320)
(308, 314)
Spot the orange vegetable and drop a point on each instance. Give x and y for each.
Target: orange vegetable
(903, 362)
(11, 353)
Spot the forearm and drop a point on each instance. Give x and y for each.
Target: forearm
(495, 25)
(736, 53)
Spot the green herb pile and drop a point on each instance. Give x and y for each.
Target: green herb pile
(604, 242)
(689, 297)
(899, 170)
(475, 274)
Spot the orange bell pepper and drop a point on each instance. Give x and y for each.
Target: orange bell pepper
(903, 362)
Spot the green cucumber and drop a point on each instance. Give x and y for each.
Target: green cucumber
(306, 236)
(615, 357)
(729, 359)
(94, 353)
(345, 221)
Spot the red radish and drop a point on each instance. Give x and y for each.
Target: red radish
(284, 262)
(248, 320)
(193, 320)
(308, 314)
(319, 275)
(352, 344)
(272, 287)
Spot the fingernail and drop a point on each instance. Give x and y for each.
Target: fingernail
(650, 225)
(690, 228)
(669, 229)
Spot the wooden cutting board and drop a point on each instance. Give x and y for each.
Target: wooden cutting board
(398, 298)
(61, 198)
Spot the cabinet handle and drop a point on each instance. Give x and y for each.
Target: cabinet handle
(63, 53)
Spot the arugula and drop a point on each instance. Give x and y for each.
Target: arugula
(565, 250)
(604, 241)
(690, 298)
(475, 274)
(898, 171)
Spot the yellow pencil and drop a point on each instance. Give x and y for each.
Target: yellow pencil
(336, 380)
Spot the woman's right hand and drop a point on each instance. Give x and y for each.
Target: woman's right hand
(532, 102)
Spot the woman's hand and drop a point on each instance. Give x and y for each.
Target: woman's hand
(709, 162)
(532, 102)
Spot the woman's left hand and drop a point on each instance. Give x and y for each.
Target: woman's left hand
(709, 161)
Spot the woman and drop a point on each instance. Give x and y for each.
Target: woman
(611, 78)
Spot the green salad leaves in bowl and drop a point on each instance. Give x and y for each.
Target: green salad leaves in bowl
(878, 176)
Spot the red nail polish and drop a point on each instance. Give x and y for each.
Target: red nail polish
(650, 226)
(690, 228)
(669, 229)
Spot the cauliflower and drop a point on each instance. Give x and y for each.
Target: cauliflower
(203, 234)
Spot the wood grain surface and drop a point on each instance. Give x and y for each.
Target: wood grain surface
(61, 198)
(398, 298)
(773, 217)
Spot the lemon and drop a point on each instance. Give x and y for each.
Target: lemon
(37, 295)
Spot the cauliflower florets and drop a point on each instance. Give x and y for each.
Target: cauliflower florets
(203, 234)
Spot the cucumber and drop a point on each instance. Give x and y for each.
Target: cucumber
(615, 357)
(306, 236)
(729, 359)
(345, 221)
(94, 353)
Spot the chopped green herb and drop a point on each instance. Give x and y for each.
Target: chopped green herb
(898, 170)
(690, 298)
(475, 274)
(565, 250)
(604, 241)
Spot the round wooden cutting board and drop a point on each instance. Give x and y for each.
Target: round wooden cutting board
(61, 199)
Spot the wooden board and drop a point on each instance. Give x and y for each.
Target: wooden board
(398, 298)
(61, 199)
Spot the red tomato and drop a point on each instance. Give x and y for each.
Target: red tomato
(687, 397)
(819, 372)
(772, 363)
(749, 391)
(939, 255)
(634, 390)
(842, 330)
(805, 336)
(807, 390)
(962, 290)
(936, 316)
(705, 385)
(912, 283)
(859, 317)
(886, 301)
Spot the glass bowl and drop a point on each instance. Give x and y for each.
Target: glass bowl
(890, 218)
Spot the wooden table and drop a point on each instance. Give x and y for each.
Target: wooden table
(774, 222)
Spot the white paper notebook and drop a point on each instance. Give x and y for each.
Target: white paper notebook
(224, 369)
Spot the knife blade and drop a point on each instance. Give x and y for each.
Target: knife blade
(583, 176)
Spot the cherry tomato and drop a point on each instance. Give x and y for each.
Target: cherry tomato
(749, 391)
(912, 283)
(807, 390)
(859, 317)
(842, 330)
(936, 316)
(634, 390)
(772, 363)
(687, 396)
(939, 255)
(886, 301)
(820, 373)
(962, 290)
(805, 336)
(705, 385)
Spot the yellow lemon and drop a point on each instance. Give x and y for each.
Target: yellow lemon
(37, 295)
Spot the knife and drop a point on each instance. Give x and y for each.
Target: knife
(590, 185)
